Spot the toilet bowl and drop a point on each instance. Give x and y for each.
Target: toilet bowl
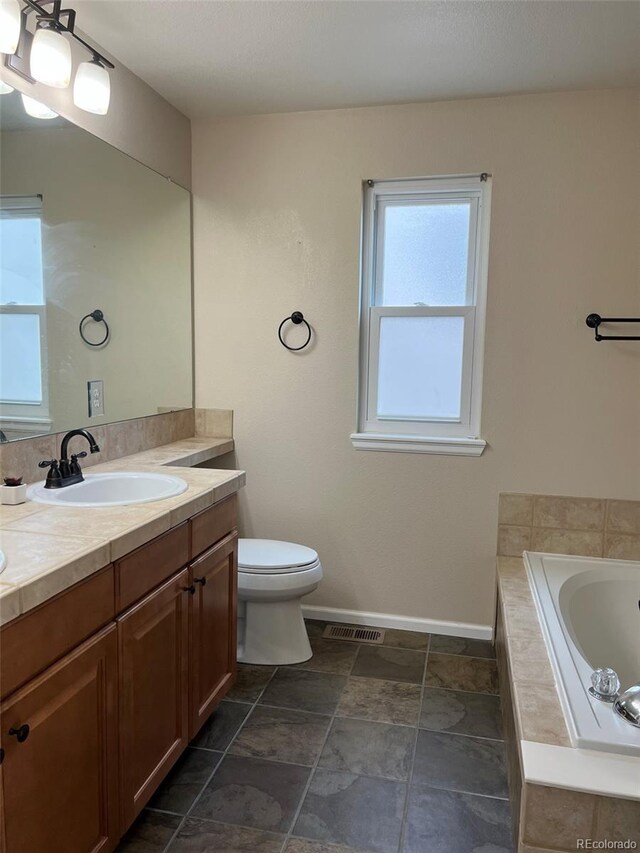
(272, 578)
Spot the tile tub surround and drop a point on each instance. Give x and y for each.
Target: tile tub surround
(373, 763)
(556, 791)
(591, 527)
(51, 548)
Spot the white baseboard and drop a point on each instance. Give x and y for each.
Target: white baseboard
(406, 623)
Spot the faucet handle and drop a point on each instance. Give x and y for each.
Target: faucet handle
(81, 455)
(605, 684)
(48, 463)
(54, 475)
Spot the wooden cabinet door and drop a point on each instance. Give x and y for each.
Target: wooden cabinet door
(59, 779)
(213, 629)
(153, 691)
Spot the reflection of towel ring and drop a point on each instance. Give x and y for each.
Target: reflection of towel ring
(98, 317)
(297, 317)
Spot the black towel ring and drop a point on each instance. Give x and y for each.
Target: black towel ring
(98, 317)
(296, 318)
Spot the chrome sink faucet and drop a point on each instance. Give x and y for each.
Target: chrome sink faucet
(67, 471)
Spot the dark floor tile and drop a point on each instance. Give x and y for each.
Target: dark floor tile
(382, 701)
(183, 784)
(330, 656)
(448, 822)
(221, 727)
(461, 713)
(370, 749)
(252, 792)
(304, 845)
(281, 734)
(315, 627)
(353, 810)
(318, 692)
(460, 763)
(406, 639)
(150, 833)
(202, 836)
(390, 664)
(250, 682)
(462, 646)
(455, 672)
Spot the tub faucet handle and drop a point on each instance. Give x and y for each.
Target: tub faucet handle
(605, 684)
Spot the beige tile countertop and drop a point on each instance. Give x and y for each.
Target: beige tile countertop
(50, 548)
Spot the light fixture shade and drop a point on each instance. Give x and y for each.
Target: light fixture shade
(5, 88)
(35, 109)
(92, 88)
(9, 25)
(51, 58)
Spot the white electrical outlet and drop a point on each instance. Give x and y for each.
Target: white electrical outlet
(95, 388)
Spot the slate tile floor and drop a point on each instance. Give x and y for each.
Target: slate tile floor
(368, 749)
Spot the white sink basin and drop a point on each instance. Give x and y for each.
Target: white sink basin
(116, 489)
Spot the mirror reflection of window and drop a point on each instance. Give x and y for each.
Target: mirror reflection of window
(22, 310)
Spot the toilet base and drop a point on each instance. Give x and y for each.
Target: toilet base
(273, 633)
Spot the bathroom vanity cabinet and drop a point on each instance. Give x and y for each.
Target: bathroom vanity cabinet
(104, 685)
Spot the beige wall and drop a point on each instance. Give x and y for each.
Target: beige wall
(277, 219)
(115, 236)
(139, 122)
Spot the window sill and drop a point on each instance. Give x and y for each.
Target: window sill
(446, 446)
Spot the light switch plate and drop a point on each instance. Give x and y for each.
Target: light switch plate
(95, 388)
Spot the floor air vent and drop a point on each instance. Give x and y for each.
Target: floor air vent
(351, 632)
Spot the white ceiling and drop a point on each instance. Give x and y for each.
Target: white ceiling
(212, 58)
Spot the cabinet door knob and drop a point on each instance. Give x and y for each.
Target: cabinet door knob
(21, 733)
(202, 581)
(190, 589)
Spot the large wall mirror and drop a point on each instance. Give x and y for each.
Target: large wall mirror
(84, 228)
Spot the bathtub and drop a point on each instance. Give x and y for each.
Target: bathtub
(590, 617)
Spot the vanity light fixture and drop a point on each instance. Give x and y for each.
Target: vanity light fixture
(92, 87)
(50, 60)
(45, 55)
(35, 109)
(5, 88)
(9, 26)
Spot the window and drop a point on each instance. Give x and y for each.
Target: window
(424, 271)
(22, 311)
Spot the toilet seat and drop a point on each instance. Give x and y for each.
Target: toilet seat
(273, 557)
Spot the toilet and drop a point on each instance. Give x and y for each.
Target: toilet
(272, 578)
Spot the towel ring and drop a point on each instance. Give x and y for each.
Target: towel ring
(98, 317)
(296, 318)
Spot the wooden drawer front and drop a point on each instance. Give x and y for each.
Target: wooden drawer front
(142, 570)
(210, 525)
(60, 783)
(34, 641)
(153, 641)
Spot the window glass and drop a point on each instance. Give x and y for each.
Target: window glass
(21, 260)
(20, 370)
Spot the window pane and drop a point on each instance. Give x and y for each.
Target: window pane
(20, 375)
(425, 254)
(20, 261)
(420, 368)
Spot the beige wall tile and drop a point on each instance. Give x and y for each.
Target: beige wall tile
(512, 540)
(617, 546)
(530, 662)
(585, 543)
(568, 513)
(515, 509)
(539, 714)
(623, 516)
(20, 458)
(521, 622)
(617, 820)
(556, 818)
(214, 422)
(511, 567)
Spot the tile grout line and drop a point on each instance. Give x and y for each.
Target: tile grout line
(405, 811)
(166, 849)
(314, 767)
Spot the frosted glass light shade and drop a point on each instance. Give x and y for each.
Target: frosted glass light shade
(35, 109)
(51, 58)
(9, 25)
(5, 88)
(92, 88)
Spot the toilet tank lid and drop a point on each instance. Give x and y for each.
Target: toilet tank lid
(273, 554)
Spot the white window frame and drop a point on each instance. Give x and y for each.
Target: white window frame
(435, 435)
(21, 415)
